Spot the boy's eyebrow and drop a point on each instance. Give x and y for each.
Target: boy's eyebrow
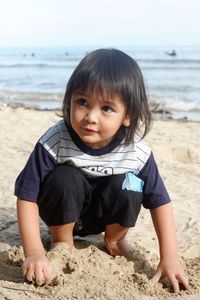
(108, 101)
(79, 94)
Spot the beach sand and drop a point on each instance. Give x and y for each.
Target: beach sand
(89, 272)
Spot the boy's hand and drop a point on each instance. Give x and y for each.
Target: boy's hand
(170, 268)
(37, 269)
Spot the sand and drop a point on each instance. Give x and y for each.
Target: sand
(89, 272)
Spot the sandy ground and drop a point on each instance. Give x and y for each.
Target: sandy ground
(89, 272)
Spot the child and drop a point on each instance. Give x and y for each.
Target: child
(91, 172)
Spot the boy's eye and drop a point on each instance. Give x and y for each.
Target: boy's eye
(82, 102)
(107, 108)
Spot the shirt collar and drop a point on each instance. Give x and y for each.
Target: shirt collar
(96, 152)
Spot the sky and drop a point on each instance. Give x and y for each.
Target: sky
(99, 22)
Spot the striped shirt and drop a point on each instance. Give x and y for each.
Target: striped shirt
(61, 145)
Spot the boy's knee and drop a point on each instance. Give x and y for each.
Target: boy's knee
(62, 196)
(63, 180)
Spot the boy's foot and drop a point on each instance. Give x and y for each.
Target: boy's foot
(58, 256)
(121, 248)
(61, 246)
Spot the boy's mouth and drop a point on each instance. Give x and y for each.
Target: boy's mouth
(89, 130)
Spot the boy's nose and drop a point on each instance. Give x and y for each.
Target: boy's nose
(91, 116)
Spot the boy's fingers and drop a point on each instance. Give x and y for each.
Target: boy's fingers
(175, 280)
(180, 279)
(30, 275)
(157, 276)
(47, 274)
(175, 284)
(39, 276)
(24, 271)
(183, 280)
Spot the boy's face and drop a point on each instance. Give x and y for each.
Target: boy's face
(96, 119)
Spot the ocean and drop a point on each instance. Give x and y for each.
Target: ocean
(37, 77)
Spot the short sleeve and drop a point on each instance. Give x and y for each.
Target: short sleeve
(155, 193)
(39, 164)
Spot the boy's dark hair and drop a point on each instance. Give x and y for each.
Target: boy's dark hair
(114, 73)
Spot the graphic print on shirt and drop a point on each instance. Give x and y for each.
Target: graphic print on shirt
(104, 170)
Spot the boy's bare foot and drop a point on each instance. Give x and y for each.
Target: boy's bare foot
(61, 246)
(121, 248)
(59, 255)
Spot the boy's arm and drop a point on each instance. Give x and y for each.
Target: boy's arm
(35, 266)
(169, 266)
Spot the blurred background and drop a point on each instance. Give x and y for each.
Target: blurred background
(41, 42)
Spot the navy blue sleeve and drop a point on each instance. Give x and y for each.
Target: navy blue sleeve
(155, 193)
(39, 164)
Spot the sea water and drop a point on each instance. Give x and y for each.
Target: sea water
(37, 77)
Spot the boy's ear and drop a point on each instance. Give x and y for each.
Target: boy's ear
(126, 122)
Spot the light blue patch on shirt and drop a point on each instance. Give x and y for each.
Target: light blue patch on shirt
(132, 183)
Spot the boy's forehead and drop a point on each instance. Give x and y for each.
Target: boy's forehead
(101, 95)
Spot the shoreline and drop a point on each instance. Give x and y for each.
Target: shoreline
(90, 273)
(158, 113)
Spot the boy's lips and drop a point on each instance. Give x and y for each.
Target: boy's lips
(90, 130)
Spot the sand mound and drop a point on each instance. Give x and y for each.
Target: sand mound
(90, 273)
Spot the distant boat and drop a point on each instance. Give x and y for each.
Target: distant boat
(172, 53)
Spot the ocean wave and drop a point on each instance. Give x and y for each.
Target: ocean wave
(170, 67)
(169, 61)
(177, 88)
(54, 100)
(15, 96)
(40, 81)
(173, 104)
(39, 65)
(71, 63)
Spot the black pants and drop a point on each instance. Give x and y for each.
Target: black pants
(67, 196)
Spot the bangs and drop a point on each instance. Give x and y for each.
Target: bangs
(103, 83)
